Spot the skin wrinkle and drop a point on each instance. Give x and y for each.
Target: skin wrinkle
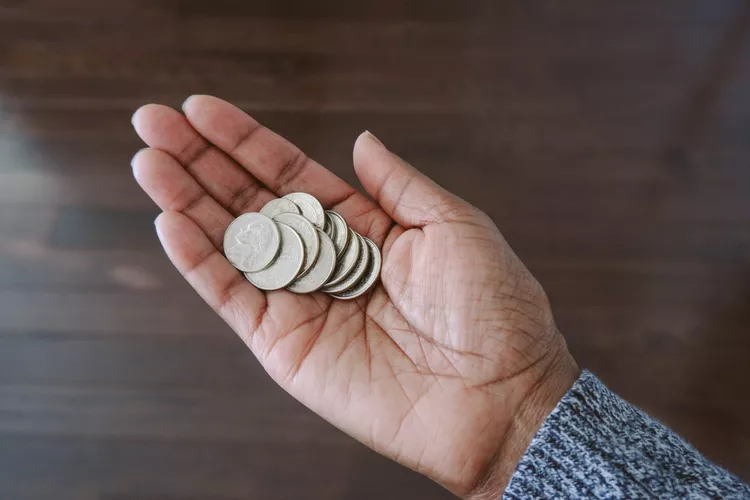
(378, 236)
(294, 329)
(227, 295)
(401, 293)
(200, 262)
(257, 328)
(482, 432)
(412, 404)
(484, 487)
(214, 236)
(355, 314)
(193, 151)
(446, 211)
(351, 339)
(422, 337)
(445, 347)
(193, 203)
(292, 171)
(382, 184)
(516, 286)
(344, 199)
(395, 344)
(296, 367)
(245, 138)
(243, 198)
(425, 358)
(505, 296)
(394, 233)
(505, 377)
(194, 169)
(368, 352)
(397, 205)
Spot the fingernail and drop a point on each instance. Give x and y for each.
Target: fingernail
(132, 160)
(132, 118)
(372, 136)
(185, 104)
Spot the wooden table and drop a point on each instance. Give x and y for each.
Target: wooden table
(610, 142)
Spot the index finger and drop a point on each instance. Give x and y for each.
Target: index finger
(280, 165)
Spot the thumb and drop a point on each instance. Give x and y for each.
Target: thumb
(408, 196)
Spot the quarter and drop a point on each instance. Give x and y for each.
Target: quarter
(369, 278)
(347, 261)
(359, 269)
(340, 231)
(279, 206)
(251, 242)
(321, 271)
(309, 206)
(330, 229)
(287, 265)
(309, 235)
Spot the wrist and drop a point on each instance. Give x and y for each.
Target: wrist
(542, 395)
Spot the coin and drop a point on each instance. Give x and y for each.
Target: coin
(309, 235)
(330, 229)
(321, 271)
(356, 273)
(309, 206)
(251, 242)
(279, 206)
(287, 265)
(347, 261)
(369, 278)
(340, 232)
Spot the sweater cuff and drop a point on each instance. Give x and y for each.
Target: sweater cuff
(596, 445)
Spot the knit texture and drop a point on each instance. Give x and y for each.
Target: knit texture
(596, 445)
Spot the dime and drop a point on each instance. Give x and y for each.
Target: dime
(347, 261)
(309, 235)
(369, 278)
(251, 242)
(356, 273)
(279, 206)
(309, 206)
(321, 271)
(287, 265)
(340, 232)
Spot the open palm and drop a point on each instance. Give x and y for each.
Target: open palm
(448, 366)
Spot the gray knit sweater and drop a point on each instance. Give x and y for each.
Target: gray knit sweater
(596, 445)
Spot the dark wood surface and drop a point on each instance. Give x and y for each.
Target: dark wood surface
(609, 141)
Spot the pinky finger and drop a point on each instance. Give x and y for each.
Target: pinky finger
(222, 286)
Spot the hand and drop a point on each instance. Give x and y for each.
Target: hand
(449, 366)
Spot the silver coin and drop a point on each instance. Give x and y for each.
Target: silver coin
(330, 229)
(287, 265)
(340, 231)
(309, 206)
(279, 206)
(357, 272)
(347, 261)
(369, 278)
(321, 271)
(251, 242)
(309, 235)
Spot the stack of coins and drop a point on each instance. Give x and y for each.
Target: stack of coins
(293, 243)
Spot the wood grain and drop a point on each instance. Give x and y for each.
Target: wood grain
(608, 142)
